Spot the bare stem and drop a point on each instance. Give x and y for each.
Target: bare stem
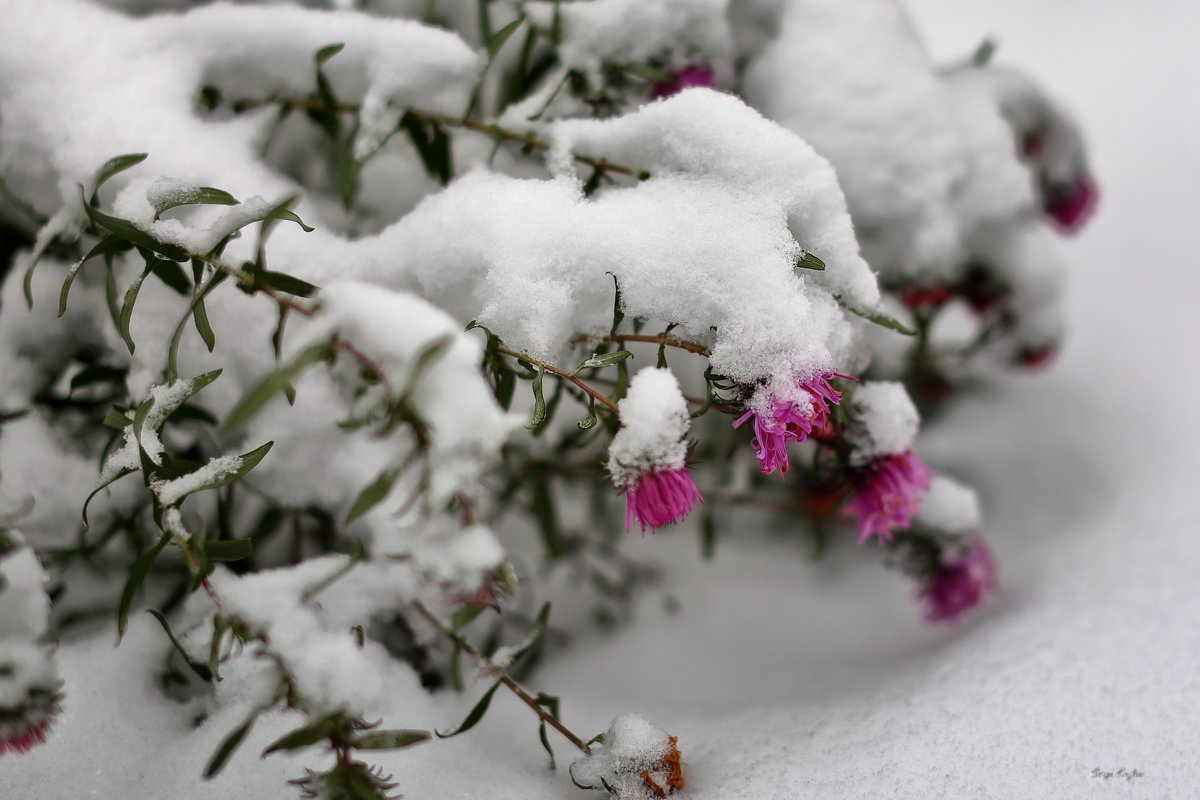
(491, 129)
(691, 347)
(497, 672)
(562, 374)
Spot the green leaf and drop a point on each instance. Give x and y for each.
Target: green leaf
(96, 373)
(327, 52)
(200, 195)
(432, 145)
(603, 360)
(230, 744)
(307, 736)
(497, 40)
(201, 670)
(131, 233)
(228, 549)
(878, 317)
(172, 275)
(535, 635)
(134, 581)
(476, 714)
(127, 309)
(427, 358)
(109, 245)
(275, 383)
(465, 616)
(287, 283)
(390, 740)
(708, 536)
(96, 491)
(116, 420)
(114, 166)
(810, 261)
(284, 213)
(539, 403)
(249, 461)
(369, 497)
(590, 420)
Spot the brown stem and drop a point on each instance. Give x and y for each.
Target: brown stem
(564, 375)
(479, 126)
(497, 672)
(691, 347)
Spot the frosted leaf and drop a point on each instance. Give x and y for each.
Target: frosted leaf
(171, 492)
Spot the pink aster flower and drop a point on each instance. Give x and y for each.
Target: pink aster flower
(657, 499)
(21, 732)
(785, 421)
(886, 495)
(680, 79)
(1072, 205)
(958, 585)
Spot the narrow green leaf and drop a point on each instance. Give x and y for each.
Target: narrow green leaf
(127, 309)
(96, 491)
(134, 582)
(810, 261)
(590, 420)
(172, 275)
(109, 245)
(603, 360)
(465, 616)
(229, 745)
(878, 317)
(287, 283)
(275, 383)
(327, 52)
(390, 740)
(535, 635)
(476, 714)
(135, 235)
(424, 361)
(228, 549)
(497, 40)
(539, 402)
(114, 166)
(307, 736)
(708, 536)
(373, 494)
(200, 195)
(96, 373)
(249, 461)
(116, 420)
(201, 670)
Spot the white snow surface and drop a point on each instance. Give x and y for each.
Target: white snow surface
(885, 421)
(787, 680)
(654, 426)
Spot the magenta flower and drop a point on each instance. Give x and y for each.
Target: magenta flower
(787, 421)
(680, 79)
(657, 499)
(958, 585)
(1071, 206)
(886, 495)
(21, 735)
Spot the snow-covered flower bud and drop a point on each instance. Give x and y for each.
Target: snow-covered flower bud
(635, 760)
(888, 478)
(29, 679)
(957, 585)
(648, 456)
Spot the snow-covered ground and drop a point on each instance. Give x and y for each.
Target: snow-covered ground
(784, 679)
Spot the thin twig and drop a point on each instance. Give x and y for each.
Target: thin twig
(562, 374)
(691, 347)
(497, 672)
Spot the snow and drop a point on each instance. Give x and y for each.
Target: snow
(632, 746)
(172, 491)
(885, 421)
(949, 507)
(167, 398)
(788, 679)
(654, 427)
(26, 659)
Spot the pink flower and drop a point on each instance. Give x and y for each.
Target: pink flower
(1071, 206)
(662, 498)
(22, 733)
(680, 79)
(886, 495)
(787, 421)
(958, 585)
